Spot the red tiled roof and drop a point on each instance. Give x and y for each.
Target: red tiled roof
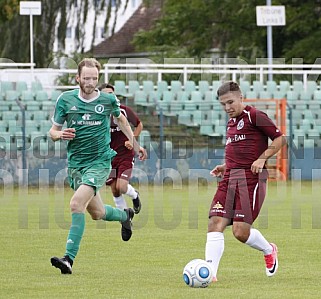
(120, 43)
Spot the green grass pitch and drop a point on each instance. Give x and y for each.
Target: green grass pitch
(168, 233)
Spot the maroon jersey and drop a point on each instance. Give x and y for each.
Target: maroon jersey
(118, 138)
(247, 138)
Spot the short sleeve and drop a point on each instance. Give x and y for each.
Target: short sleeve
(265, 124)
(132, 117)
(115, 105)
(60, 115)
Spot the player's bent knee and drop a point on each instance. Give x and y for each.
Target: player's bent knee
(122, 188)
(116, 193)
(96, 216)
(96, 213)
(76, 207)
(240, 234)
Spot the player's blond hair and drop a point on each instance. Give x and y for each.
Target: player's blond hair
(88, 62)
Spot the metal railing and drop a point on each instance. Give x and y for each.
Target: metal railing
(235, 72)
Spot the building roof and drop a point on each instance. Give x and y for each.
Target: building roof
(119, 44)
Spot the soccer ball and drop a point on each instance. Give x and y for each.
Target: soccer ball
(197, 274)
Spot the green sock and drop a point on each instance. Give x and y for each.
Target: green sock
(75, 234)
(114, 214)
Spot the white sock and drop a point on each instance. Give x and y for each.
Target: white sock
(214, 249)
(131, 191)
(257, 241)
(120, 202)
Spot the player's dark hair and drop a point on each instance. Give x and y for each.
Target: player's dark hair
(106, 85)
(227, 87)
(88, 62)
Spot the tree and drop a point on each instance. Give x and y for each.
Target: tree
(8, 9)
(187, 29)
(16, 28)
(301, 35)
(194, 29)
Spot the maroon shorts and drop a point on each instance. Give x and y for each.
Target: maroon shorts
(122, 167)
(240, 195)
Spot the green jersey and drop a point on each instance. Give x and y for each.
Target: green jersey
(91, 120)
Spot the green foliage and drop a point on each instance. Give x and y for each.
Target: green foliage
(8, 9)
(302, 35)
(181, 31)
(190, 29)
(193, 30)
(15, 28)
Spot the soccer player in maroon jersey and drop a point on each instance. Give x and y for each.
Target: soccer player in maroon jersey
(122, 164)
(241, 191)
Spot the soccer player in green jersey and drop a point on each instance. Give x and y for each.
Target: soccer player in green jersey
(87, 114)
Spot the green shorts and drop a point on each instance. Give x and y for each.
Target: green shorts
(91, 175)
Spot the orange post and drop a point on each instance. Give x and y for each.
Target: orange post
(280, 171)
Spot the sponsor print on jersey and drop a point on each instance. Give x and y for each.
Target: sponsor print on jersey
(235, 138)
(86, 121)
(117, 129)
(86, 116)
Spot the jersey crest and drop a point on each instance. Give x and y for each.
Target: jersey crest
(240, 124)
(99, 108)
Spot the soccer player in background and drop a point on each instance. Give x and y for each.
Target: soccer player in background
(242, 190)
(123, 163)
(87, 113)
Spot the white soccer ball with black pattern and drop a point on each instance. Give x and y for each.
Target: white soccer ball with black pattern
(197, 274)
